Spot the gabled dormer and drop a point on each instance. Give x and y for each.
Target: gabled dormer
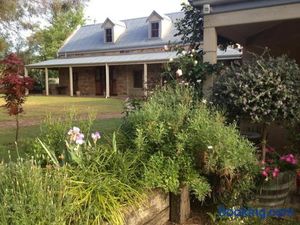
(158, 25)
(113, 30)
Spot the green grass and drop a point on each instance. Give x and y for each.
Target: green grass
(36, 107)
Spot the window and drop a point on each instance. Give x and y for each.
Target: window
(155, 30)
(108, 35)
(138, 79)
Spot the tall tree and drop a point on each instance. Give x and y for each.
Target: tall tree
(65, 17)
(18, 17)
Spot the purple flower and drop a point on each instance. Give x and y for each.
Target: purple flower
(95, 136)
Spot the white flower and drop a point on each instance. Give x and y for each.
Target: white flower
(199, 81)
(171, 60)
(204, 101)
(166, 48)
(186, 84)
(183, 52)
(179, 72)
(193, 50)
(195, 62)
(210, 147)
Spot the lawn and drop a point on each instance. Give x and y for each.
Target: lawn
(38, 107)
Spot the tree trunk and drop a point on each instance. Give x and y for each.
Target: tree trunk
(17, 128)
(264, 141)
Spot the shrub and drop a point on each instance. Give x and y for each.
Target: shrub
(183, 141)
(264, 89)
(32, 195)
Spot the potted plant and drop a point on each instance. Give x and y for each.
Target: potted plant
(277, 177)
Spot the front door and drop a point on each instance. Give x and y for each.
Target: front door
(100, 80)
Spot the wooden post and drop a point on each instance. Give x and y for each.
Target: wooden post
(71, 81)
(26, 75)
(145, 78)
(180, 208)
(46, 81)
(107, 80)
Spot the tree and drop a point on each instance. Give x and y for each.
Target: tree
(65, 17)
(264, 89)
(17, 16)
(14, 85)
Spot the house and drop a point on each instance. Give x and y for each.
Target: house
(116, 57)
(253, 24)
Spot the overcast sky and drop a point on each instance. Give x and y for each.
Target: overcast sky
(99, 10)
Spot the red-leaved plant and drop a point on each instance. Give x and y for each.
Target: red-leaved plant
(14, 86)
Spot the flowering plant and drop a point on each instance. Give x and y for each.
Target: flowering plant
(276, 163)
(74, 145)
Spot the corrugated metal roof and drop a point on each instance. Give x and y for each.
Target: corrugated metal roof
(91, 37)
(125, 59)
(101, 60)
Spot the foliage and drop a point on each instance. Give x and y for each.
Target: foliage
(189, 69)
(14, 86)
(190, 28)
(45, 42)
(53, 135)
(132, 104)
(90, 183)
(18, 15)
(32, 195)
(184, 142)
(264, 89)
(105, 186)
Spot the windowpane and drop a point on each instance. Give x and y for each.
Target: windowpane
(108, 35)
(138, 79)
(154, 29)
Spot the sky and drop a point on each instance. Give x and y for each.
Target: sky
(99, 10)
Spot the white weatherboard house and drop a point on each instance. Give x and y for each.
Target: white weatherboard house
(116, 57)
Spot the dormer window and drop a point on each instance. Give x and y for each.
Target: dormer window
(159, 25)
(154, 29)
(108, 35)
(113, 30)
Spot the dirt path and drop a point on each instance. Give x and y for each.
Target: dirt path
(32, 122)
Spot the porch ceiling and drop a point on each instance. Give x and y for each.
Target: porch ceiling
(282, 37)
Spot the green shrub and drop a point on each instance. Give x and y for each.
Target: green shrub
(32, 195)
(182, 141)
(104, 185)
